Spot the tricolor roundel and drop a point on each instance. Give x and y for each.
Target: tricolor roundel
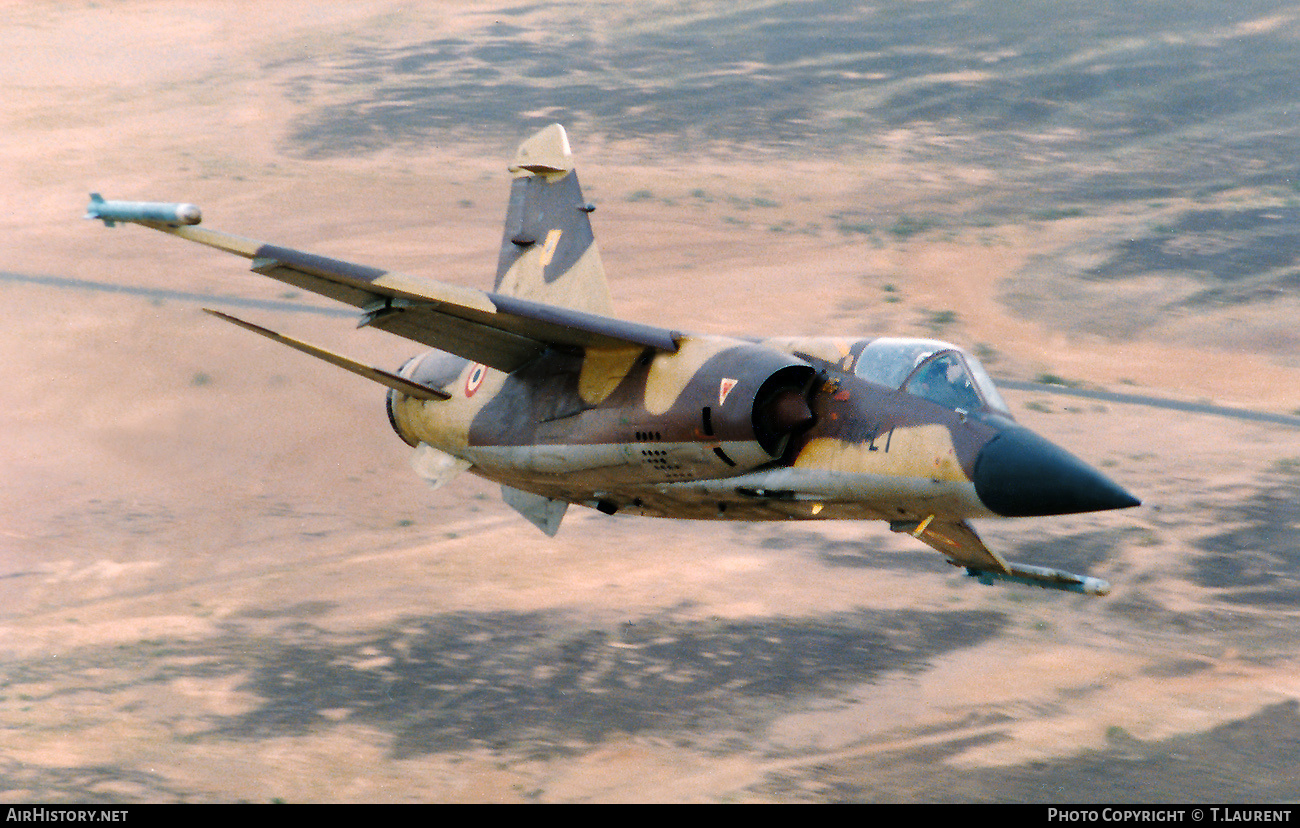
(475, 378)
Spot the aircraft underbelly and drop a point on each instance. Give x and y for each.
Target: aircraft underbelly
(790, 494)
(664, 484)
(604, 464)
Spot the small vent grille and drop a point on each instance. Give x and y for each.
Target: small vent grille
(662, 462)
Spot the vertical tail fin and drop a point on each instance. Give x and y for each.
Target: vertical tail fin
(548, 252)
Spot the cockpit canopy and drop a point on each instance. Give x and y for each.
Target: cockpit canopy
(936, 371)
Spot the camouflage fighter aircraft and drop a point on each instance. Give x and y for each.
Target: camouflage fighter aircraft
(537, 386)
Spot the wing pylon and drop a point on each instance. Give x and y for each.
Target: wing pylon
(957, 541)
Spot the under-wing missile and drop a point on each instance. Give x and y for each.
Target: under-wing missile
(152, 212)
(1040, 576)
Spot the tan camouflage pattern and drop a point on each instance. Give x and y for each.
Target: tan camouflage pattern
(538, 387)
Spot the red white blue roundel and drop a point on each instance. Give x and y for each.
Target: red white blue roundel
(475, 378)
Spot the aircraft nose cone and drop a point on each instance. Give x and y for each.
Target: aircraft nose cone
(1019, 474)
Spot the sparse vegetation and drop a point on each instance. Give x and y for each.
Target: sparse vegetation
(940, 319)
(640, 195)
(1145, 537)
(1287, 465)
(746, 203)
(1048, 378)
(851, 228)
(1057, 213)
(851, 224)
(907, 226)
(1115, 733)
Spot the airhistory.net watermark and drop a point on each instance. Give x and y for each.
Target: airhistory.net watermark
(37, 814)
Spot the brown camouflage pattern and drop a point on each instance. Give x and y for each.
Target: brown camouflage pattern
(537, 386)
(513, 423)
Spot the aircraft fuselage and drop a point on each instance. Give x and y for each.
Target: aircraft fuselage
(692, 435)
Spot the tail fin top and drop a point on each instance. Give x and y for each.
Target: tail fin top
(548, 252)
(547, 151)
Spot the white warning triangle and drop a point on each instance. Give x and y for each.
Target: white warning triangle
(724, 388)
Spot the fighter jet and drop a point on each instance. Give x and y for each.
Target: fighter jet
(537, 386)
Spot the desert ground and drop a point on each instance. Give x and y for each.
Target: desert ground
(220, 581)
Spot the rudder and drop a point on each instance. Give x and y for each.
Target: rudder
(548, 252)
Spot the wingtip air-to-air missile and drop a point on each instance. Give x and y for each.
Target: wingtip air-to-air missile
(142, 212)
(537, 386)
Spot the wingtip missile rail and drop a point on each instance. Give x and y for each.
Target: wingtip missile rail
(146, 212)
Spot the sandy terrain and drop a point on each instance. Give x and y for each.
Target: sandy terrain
(220, 581)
